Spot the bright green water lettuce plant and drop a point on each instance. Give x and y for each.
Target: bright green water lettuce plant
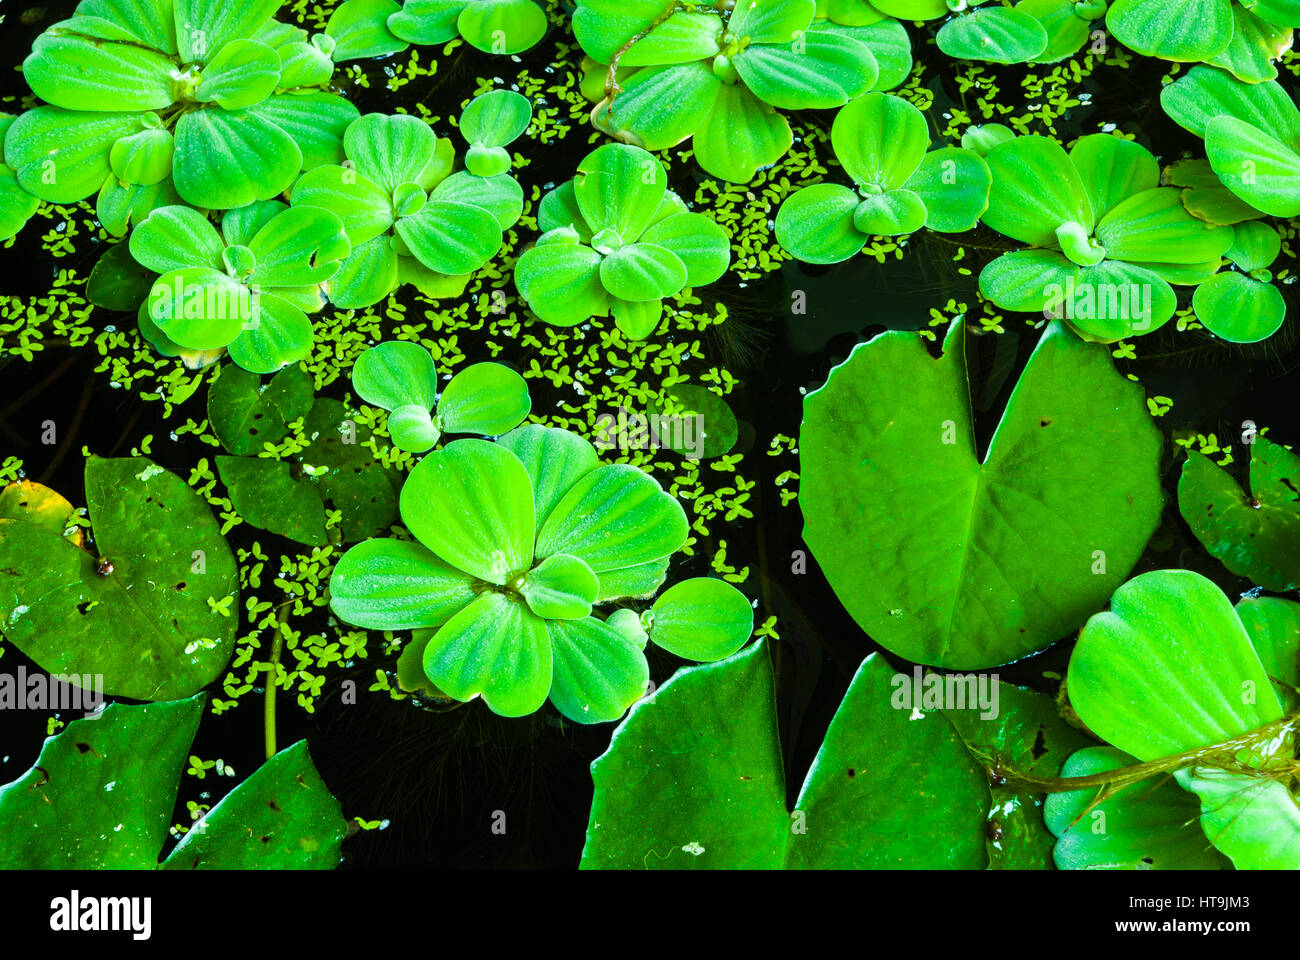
(616, 240)
(1172, 670)
(721, 74)
(516, 543)
(244, 289)
(218, 101)
(1242, 37)
(881, 141)
(486, 398)
(1243, 305)
(410, 219)
(376, 28)
(991, 32)
(1251, 133)
(1105, 240)
(101, 796)
(1255, 534)
(16, 204)
(913, 560)
(153, 609)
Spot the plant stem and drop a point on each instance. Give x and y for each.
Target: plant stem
(268, 710)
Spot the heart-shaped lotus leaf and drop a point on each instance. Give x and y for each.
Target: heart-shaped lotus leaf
(561, 587)
(246, 413)
(266, 496)
(489, 123)
(154, 610)
(995, 34)
(1010, 731)
(117, 282)
(693, 779)
(100, 796)
(1251, 131)
(359, 30)
(1171, 668)
(1149, 825)
(36, 504)
(948, 560)
(693, 421)
(1256, 534)
(702, 619)
(1188, 32)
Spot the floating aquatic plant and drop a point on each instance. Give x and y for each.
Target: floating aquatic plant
(101, 794)
(487, 399)
(1105, 240)
(221, 103)
(881, 141)
(1255, 534)
(409, 218)
(516, 544)
(1251, 133)
(616, 240)
(1056, 514)
(1242, 37)
(1172, 673)
(243, 289)
(374, 28)
(721, 74)
(1243, 305)
(153, 609)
